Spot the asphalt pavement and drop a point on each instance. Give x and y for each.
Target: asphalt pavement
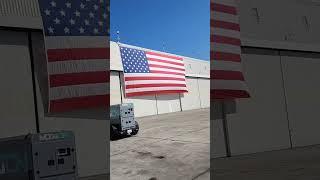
(173, 146)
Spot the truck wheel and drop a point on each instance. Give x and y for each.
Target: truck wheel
(114, 133)
(136, 129)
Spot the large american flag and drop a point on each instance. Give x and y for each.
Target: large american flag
(147, 72)
(226, 72)
(77, 46)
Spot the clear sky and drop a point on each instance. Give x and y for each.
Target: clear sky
(182, 25)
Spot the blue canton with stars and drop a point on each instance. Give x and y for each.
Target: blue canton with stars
(75, 17)
(134, 61)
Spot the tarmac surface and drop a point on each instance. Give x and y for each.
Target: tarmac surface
(97, 177)
(292, 164)
(174, 146)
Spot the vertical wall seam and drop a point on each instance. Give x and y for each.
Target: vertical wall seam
(199, 93)
(285, 100)
(155, 96)
(34, 87)
(120, 84)
(180, 103)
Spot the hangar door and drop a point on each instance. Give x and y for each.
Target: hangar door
(301, 75)
(17, 115)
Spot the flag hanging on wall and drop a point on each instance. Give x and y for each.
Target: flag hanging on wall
(147, 72)
(226, 72)
(77, 48)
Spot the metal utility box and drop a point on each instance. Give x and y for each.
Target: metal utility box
(45, 156)
(123, 120)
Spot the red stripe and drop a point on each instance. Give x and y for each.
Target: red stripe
(78, 54)
(165, 61)
(154, 85)
(87, 102)
(225, 56)
(223, 8)
(154, 92)
(152, 78)
(57, 80)
(225, 40)
(167, 67)
(228, 94)
(225, 25)
(167, 72)
(226, 75)
(165, 55)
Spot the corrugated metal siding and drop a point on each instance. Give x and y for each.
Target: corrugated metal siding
(28, 8)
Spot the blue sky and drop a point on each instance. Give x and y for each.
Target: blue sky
(182, 25)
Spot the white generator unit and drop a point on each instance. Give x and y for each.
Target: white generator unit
(122, 121)
(44, 156)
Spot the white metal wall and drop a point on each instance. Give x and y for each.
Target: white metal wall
(302, 87)
(217, 143)
(286, 17)
(160, 104)
(16, 93)
(191, 100)
(115, 88)
(168, 103)
(260, 123)
(277, 106)
(204, 92)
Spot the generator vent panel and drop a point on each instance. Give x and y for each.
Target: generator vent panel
(127, 110)
(123, 115)
(127, 116)
(47, 156)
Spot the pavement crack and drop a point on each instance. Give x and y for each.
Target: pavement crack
(200, 174)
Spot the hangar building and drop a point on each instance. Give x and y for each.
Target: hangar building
(281, 62)
(198, 84)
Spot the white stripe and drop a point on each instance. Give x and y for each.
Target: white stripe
(225, 2)
(166, 64)
(229, 84)
(78, 91)
(165, 69)
(74, 66)
(153, 75)
(164, 58)
(225, 32)
(57, 42)
(226, 65)
(154, 89)
(154, 82)
(227, 48)
(220, 16)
